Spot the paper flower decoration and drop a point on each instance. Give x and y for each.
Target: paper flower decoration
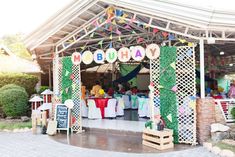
(101, 92)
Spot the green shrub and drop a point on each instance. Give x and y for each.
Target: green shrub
(42, 88)
(24, 80)
(233, 112)
(11, 86)
(14, 101)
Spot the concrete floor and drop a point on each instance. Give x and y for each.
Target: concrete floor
(122, 141)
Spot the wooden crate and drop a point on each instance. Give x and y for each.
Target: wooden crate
(158, 139)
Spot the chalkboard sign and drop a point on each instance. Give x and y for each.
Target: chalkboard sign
(62, 116)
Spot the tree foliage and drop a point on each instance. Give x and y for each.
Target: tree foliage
(15, 44)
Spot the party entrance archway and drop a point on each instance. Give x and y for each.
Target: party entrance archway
(91, 25)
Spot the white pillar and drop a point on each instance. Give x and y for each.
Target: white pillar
(56, 73)
(202, 67)
(49, 73)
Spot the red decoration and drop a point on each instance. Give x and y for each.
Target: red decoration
(140, 40)
(165, 34)
(73, 120)
(72, 76)
(155, 30)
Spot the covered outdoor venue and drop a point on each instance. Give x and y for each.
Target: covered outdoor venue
(169, 52)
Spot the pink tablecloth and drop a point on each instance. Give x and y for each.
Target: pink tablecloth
(101, 103)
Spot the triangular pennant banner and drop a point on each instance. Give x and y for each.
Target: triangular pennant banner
(160, 86)
(127, 27)
(140, 40)
(173, 65)
(174, 88)
(111, 37)
(190, 44)
(73, 86)
(155, 30)
(119, 38)
(189, 53)
(114, 22)
(181, 109)
(192, 104)
(171, 37)
(169, 117)
(118, 32)
(182, 40)
(83, 47)
(100, 43)
(110, 45)
(133, 32)
(92, 34)
(66, 73)
(165, 34)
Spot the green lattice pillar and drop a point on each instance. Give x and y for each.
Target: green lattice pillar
(168, 102)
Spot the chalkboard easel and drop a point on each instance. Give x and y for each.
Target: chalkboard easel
(62, 115)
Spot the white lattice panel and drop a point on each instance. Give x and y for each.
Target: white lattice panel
(76, 96)
(154, 77)
(186, 85)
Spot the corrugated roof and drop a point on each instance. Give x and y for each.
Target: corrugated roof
(173, 16)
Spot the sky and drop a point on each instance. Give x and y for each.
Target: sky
(24, 16)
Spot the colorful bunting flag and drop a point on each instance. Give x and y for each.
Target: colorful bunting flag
(182, 40)
(83, 47)
(181, 109)
(111, 37)
(118, 12)
(165, 34)
(92, 34)
(100, 43)
(110, 45)
(114, 22)
(171, 37)
(118, 32)
(174, 88)
(132, 20)
(155, 30)
(173, 65)
(159, 86)
(110, 28)
(72, 76)
(180, 58)
(189, 53)
(73, 86)
(66, 73)
(127, 27)
(140, 40)
(190, 44)
(119, 38)
(133, 32)
(169, 117)
(192, 104)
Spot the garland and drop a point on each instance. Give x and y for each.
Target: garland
(66, 78)
(168, 107)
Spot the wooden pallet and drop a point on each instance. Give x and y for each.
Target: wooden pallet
(158, 139)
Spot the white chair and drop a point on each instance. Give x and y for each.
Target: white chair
(110, 110)
(134, 101)
(120, 107)
(84, 109)
(127, 101)
(93, 111)
(143, 107)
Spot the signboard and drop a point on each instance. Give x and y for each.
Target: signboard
(62, 117)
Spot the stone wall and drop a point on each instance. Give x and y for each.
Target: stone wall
(205, 117)
(218, 115)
